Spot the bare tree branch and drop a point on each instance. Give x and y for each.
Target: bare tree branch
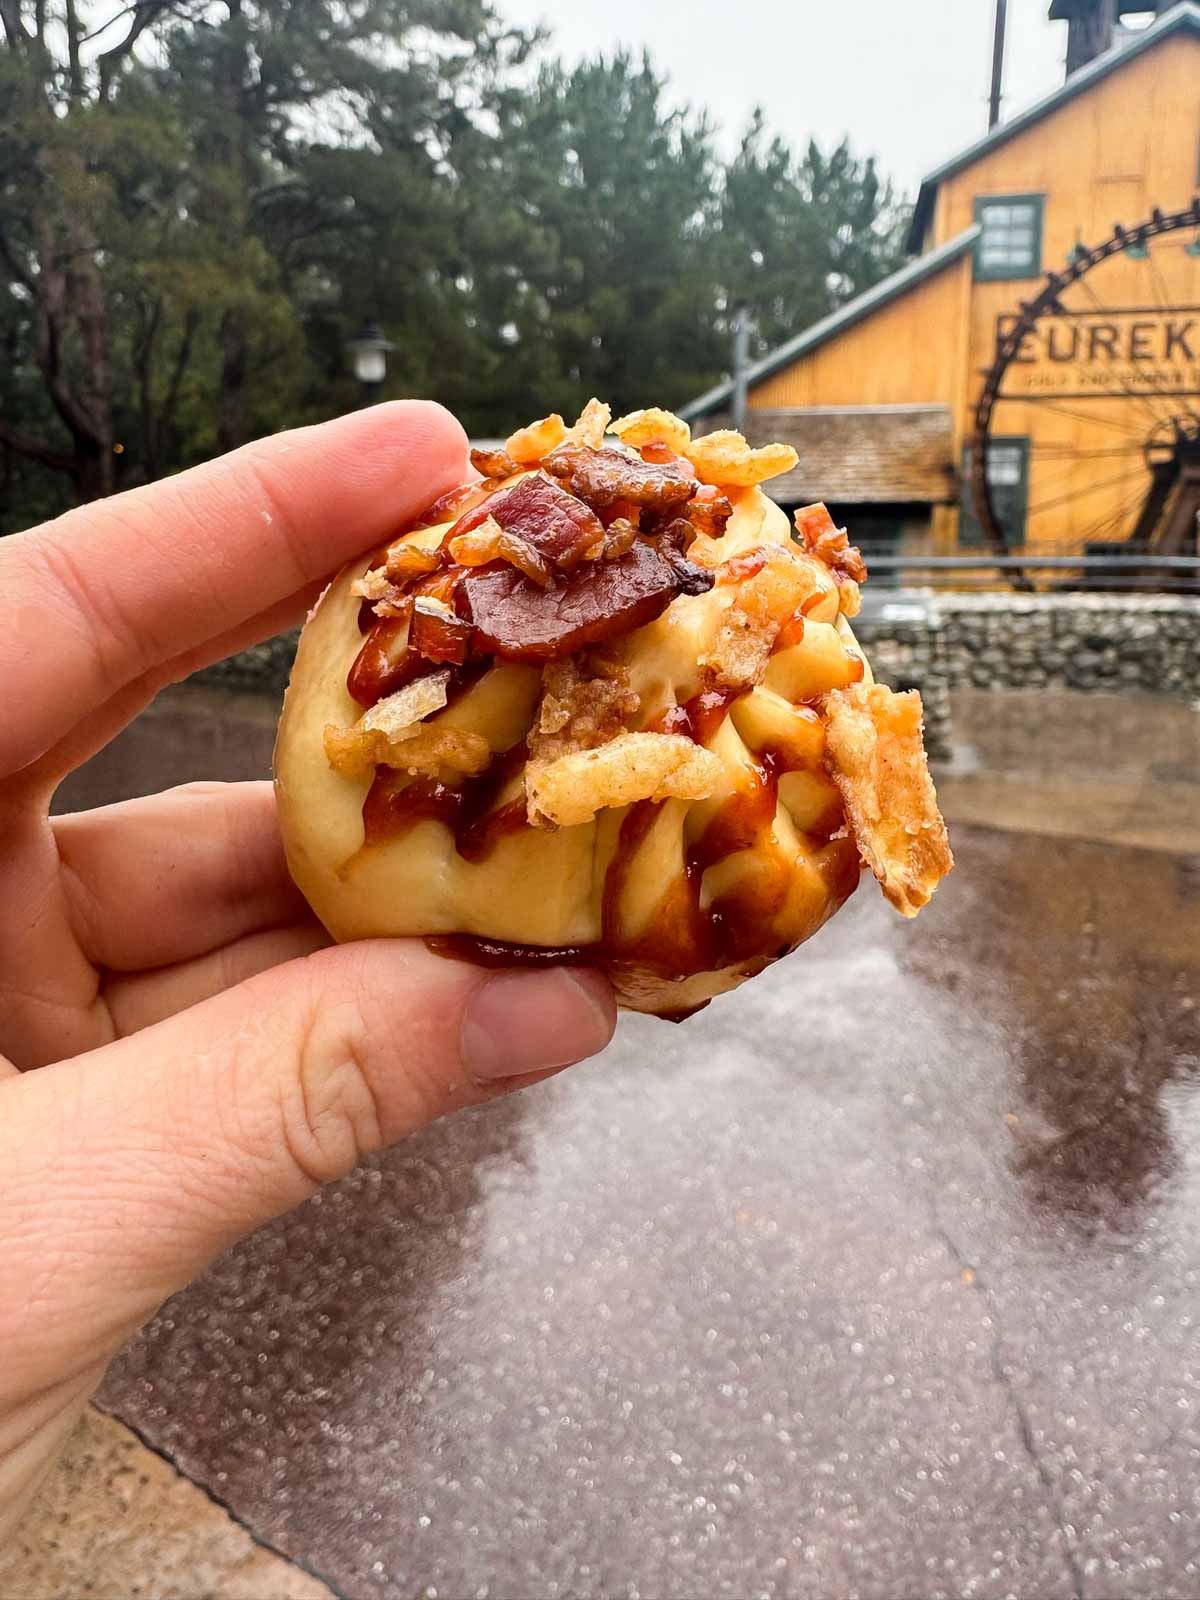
(142, 16)
(15, 30)
(35, 449)
(76, 70)
(183, 356)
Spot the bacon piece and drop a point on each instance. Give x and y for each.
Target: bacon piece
(494, 463)
(541, 512)
(601, 600)
(602, 477)
(792, 631)
(437, 633)
(830, 544)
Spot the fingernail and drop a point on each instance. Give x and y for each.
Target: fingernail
(520, 1022)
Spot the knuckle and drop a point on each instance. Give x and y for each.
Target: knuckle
(331, 1114)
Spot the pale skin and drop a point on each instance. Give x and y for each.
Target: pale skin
(184, 1056)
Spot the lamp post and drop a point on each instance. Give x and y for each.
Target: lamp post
(368, 352)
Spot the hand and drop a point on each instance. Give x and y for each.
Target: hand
(203, 1060)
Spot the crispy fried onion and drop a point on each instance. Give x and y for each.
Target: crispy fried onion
(726, 459)
(831, 545)
(537, 440)
(633, 766)
(768, 595)
(608, 478)
(591, 424)
(873, 752)
(586, 701)
(653, 426)
(393, 734)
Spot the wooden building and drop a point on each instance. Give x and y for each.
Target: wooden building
(1092, 426)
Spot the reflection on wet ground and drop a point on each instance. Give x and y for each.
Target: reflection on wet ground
(881, 1277)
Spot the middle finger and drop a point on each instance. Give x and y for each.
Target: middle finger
(160, 880)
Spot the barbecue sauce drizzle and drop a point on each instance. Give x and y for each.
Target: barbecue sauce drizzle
(682, 937)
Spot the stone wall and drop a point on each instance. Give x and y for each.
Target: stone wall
(938, 642)
(265, 666)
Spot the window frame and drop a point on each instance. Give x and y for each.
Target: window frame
(1006, 274)
(970, 531)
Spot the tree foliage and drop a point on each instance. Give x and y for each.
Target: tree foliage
(200, 200)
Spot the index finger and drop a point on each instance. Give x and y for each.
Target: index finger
(101, 595)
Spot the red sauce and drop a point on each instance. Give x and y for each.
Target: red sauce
(698, 718)
(384, 663)
(395, 803)
(739, 824)
(496, 953)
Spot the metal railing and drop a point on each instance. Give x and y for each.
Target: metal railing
(1042, 569)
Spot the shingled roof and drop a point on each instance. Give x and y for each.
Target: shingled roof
(860, 455)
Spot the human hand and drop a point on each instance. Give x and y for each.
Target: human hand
(184, 1057)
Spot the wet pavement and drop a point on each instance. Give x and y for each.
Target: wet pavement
(878, 1278)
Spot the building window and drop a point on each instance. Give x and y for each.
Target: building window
(1010, 245)
(1008, 475)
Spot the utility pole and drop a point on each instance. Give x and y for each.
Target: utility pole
(997, 62)
(741, 354)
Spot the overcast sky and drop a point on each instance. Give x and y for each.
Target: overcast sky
(906, 79)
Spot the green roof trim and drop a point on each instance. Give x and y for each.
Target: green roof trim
(1184, 18)
(926, 266)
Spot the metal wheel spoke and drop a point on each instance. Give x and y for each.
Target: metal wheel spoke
(1092, 488)
(1151, 450)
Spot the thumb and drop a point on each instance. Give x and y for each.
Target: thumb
(128, 1169)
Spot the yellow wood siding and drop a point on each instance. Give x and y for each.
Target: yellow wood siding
(1120, 148)
(1148, 111)
(908, 351)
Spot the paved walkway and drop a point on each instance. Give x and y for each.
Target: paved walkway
(881, 1277)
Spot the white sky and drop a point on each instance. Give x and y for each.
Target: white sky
(906, 79)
